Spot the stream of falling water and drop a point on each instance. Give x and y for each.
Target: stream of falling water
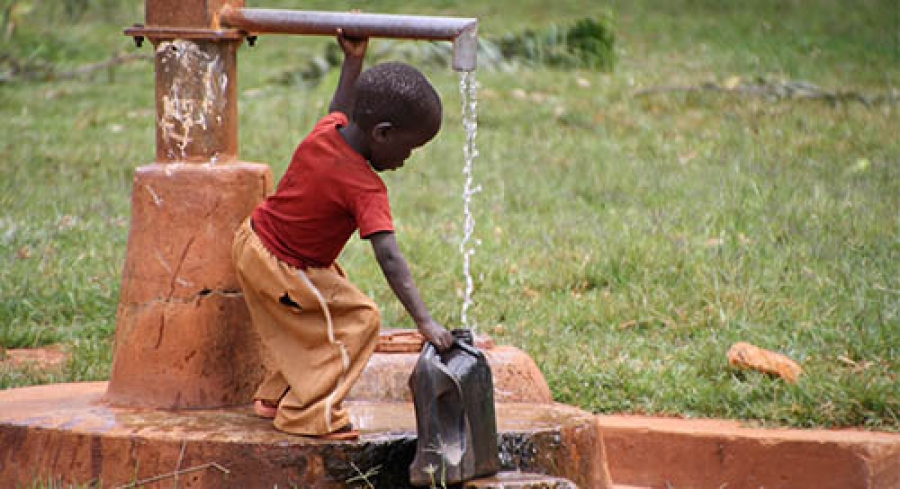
(467, 94)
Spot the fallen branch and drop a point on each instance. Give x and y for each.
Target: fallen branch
(43, 71)
(178, 465)
(116, 60)
(143, 482)
(776, 90)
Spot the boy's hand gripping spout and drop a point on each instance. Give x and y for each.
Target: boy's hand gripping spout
(396, 271)
(354, 49)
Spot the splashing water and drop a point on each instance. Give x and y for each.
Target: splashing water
(467, 94)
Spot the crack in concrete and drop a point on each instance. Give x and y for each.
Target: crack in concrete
(202, 294)
(181, 260)
(176, 280)
(162, 327)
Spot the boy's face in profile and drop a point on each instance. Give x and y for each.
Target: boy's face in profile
(391, 146)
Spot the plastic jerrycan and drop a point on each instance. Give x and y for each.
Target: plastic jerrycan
(453, 395)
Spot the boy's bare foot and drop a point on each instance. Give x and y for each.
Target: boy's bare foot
(347, 433)
(264, 409)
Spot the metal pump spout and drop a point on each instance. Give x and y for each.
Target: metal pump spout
(462, 31)
(465, 49)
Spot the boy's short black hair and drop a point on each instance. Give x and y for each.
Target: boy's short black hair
(395, 93)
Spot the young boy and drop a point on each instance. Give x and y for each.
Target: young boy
(318, 330)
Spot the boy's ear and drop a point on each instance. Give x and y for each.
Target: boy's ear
(381, 131)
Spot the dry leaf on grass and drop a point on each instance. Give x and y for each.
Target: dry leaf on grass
(746, 356)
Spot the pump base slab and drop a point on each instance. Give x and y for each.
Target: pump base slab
(66, 432)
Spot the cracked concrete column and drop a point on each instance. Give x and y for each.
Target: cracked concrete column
(183, 333)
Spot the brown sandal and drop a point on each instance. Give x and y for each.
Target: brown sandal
(347, 433)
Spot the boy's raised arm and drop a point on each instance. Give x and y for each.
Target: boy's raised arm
(354, 51)
(396, 271)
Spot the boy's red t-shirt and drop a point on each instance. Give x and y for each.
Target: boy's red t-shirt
(328, 191)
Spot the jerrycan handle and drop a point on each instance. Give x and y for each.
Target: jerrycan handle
(463, 335)
(465, 341)
(462, 345)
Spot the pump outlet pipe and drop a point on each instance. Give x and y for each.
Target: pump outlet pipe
(462, 31)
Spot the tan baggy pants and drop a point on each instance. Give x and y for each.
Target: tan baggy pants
(318, 331)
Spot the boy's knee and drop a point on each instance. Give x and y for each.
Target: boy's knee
(372, 316)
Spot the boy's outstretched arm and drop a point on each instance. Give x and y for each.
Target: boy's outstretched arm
(396, 271)
(354, 51)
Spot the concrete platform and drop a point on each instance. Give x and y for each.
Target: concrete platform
(662, 453)
(65, 432)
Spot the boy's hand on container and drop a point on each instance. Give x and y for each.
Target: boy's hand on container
(353, 47)
(437, 335)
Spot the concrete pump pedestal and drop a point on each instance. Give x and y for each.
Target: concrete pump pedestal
(183, 332)
(67, 433)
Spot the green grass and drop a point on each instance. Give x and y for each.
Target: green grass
(626, 242)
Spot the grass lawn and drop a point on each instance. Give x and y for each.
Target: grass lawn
(627, 239)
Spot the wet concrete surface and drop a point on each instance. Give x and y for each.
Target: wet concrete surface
(68, 431)
(517, 480)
